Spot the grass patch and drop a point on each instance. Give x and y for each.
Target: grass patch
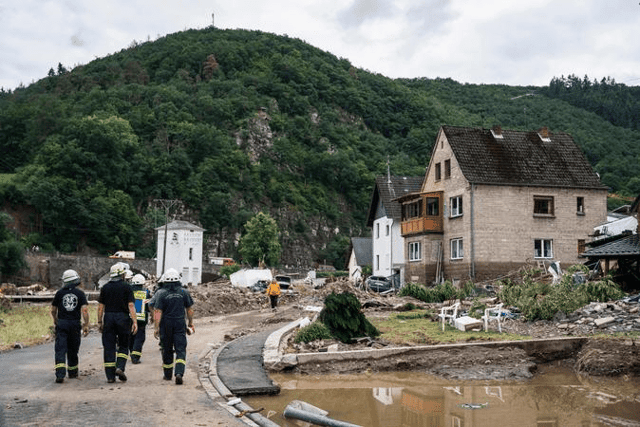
(30, 324)
(416, 327)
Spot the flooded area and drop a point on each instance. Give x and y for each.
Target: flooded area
(555, 397)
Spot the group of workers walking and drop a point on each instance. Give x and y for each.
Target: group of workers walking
(124, 306)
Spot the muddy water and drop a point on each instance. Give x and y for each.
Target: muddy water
(556, 397)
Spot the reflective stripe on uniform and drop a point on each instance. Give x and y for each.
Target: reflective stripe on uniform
(72, 368)
(136, 353)
(180, 361)
(169, 366)
(61, 365)
(109, 364)
(122, 355)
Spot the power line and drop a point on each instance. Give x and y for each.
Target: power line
(166, 204)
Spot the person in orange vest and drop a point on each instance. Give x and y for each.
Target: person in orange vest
(273, 290)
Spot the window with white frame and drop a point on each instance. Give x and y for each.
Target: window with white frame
(415, 251)
(387, 231)
(457, 250)
(377, 230)
(543, 248)
(456, 206)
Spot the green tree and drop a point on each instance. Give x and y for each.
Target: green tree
(260, 244)
(11, 251)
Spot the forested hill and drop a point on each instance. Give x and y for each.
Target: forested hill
(231, 122)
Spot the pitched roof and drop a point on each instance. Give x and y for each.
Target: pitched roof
(180, 225)
(363, 250)
(521, 158)
(387, 189)
(625, 246)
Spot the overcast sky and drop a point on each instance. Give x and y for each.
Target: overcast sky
(513, 42)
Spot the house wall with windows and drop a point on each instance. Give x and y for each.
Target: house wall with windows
(490, 229)
(184, 250)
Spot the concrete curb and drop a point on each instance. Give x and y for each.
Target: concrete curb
(219, 393)
(271, 354)
(546, 349)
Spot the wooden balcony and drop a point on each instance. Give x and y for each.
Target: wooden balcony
(429, 224)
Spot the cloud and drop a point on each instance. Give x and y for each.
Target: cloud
(525, 42)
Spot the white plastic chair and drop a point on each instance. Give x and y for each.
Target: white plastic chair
(449, 313)
(493, 312)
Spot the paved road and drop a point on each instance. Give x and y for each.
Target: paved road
(30, 396)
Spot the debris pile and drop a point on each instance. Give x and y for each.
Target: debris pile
(609, 317)
(220, 297)
(11, 289)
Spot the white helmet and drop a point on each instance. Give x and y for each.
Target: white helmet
(128, 274)
(117, 269)
(171, 275)
(138, 279)
(70, 277)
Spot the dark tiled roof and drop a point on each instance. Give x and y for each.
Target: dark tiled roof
(626, 246)
(520, 158)
(363, 250)
(386, 192)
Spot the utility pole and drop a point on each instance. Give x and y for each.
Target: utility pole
(166, 204)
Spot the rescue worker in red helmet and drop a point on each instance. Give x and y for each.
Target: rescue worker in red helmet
(169, 312)
(116, 321)
(69, 304)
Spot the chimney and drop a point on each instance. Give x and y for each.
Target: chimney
(544, 132)
(496, 131)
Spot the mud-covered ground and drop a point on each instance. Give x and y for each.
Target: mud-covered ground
(599, 356)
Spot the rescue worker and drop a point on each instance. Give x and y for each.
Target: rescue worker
(69, 304)
(273, 290)
(169, 312)
(152, 303)
(140, 297)
(116, 321)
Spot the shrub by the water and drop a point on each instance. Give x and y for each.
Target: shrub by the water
(344, 319)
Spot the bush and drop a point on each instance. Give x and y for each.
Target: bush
(342, 316)
(538, 300)
(228, 270)
(601, 291)
(313, 332)
(443, 292)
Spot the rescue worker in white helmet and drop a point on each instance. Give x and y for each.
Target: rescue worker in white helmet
(140, 301)
(69, 304)
(116, 321)
(170, 327)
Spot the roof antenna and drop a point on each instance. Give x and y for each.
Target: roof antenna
(388, 171)
(392, 191)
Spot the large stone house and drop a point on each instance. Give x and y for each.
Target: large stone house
(493, 200)
(388, 257)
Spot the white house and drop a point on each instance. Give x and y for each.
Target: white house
(384, 217)
(616, 224)
(360, 256)
(183, 250)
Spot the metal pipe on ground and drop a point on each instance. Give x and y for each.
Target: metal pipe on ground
(305, 412)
